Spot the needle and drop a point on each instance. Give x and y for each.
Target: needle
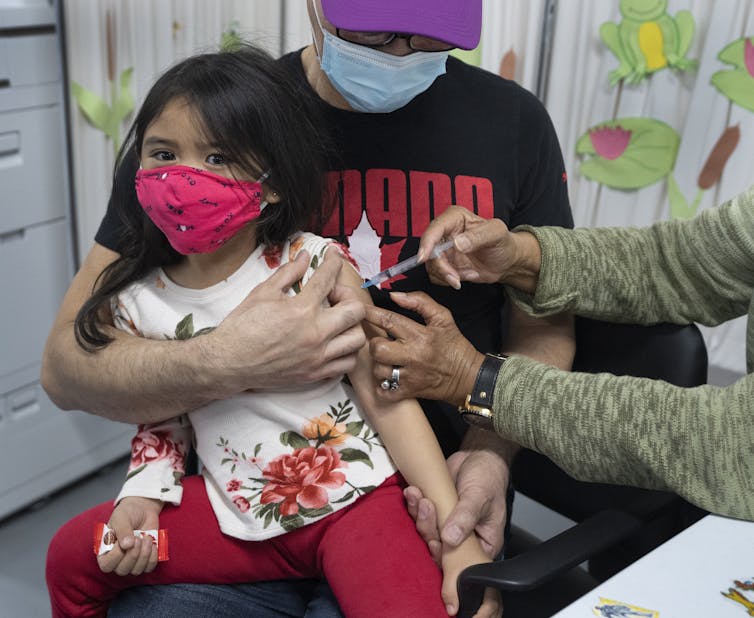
(407, 264)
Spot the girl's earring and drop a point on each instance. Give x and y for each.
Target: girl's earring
(274, 197)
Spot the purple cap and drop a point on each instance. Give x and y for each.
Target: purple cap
(458, 22)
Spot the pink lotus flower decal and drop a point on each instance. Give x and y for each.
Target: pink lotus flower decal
(749, 56)
(628, 153)
(610, 142)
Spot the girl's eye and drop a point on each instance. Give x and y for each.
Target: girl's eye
(163, 155)
(216, 159)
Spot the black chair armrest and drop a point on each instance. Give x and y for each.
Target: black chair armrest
(547, 560)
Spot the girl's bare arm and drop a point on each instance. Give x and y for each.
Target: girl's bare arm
(412, 444)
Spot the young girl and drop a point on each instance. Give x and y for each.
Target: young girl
(295, 484)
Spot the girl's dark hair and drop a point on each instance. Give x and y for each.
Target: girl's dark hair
(261, 119)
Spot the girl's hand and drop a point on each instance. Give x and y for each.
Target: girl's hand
(455, 560)
(131, 555)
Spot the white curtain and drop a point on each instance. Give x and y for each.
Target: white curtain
(296, 26)
(513, 25)
(579, 96)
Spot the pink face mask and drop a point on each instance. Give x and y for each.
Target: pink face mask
(198, 211)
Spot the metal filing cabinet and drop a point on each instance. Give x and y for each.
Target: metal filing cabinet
(41, 447)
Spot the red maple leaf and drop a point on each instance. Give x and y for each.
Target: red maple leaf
(389, 257)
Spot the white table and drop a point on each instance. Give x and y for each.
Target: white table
(684, 577)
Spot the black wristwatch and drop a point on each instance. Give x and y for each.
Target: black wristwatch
(477, 409)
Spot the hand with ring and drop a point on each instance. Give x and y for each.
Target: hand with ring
(393, 382)
(432, 360)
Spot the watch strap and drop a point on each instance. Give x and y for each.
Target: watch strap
(477, 409)
(484, 386)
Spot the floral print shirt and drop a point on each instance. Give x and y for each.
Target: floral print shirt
(272, 461)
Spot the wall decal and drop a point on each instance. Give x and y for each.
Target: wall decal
(737, 84)
(107, 118)
(648, 40)
(628, 153)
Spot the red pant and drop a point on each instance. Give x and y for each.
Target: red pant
(369, 552)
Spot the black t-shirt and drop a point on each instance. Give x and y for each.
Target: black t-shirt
(472, 139)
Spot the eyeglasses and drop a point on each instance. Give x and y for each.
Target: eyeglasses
(416, 42)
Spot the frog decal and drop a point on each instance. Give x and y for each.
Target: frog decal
(648, 40)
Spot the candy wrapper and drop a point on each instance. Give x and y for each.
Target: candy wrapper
(105, 539)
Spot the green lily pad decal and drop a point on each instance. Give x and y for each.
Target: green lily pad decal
(737, 84)
(628, 153)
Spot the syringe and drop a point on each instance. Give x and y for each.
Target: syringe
(407, 264)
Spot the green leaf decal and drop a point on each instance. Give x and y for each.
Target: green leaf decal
(107, 118)
(91, 105)
(733, 53)
(737, 85)
(231, 40)
(123, 104)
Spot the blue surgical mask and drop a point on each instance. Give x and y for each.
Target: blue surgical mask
(374, 81)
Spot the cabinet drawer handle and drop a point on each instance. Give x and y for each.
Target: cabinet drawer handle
(14, 235)
(24, 404)
(10, 143)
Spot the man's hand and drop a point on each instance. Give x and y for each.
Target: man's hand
(272, 339)
(485, 251)
(436, 361)
(481, 478)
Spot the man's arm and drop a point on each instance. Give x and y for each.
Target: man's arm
(143, 381)
(482, 465)
(551, 341)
